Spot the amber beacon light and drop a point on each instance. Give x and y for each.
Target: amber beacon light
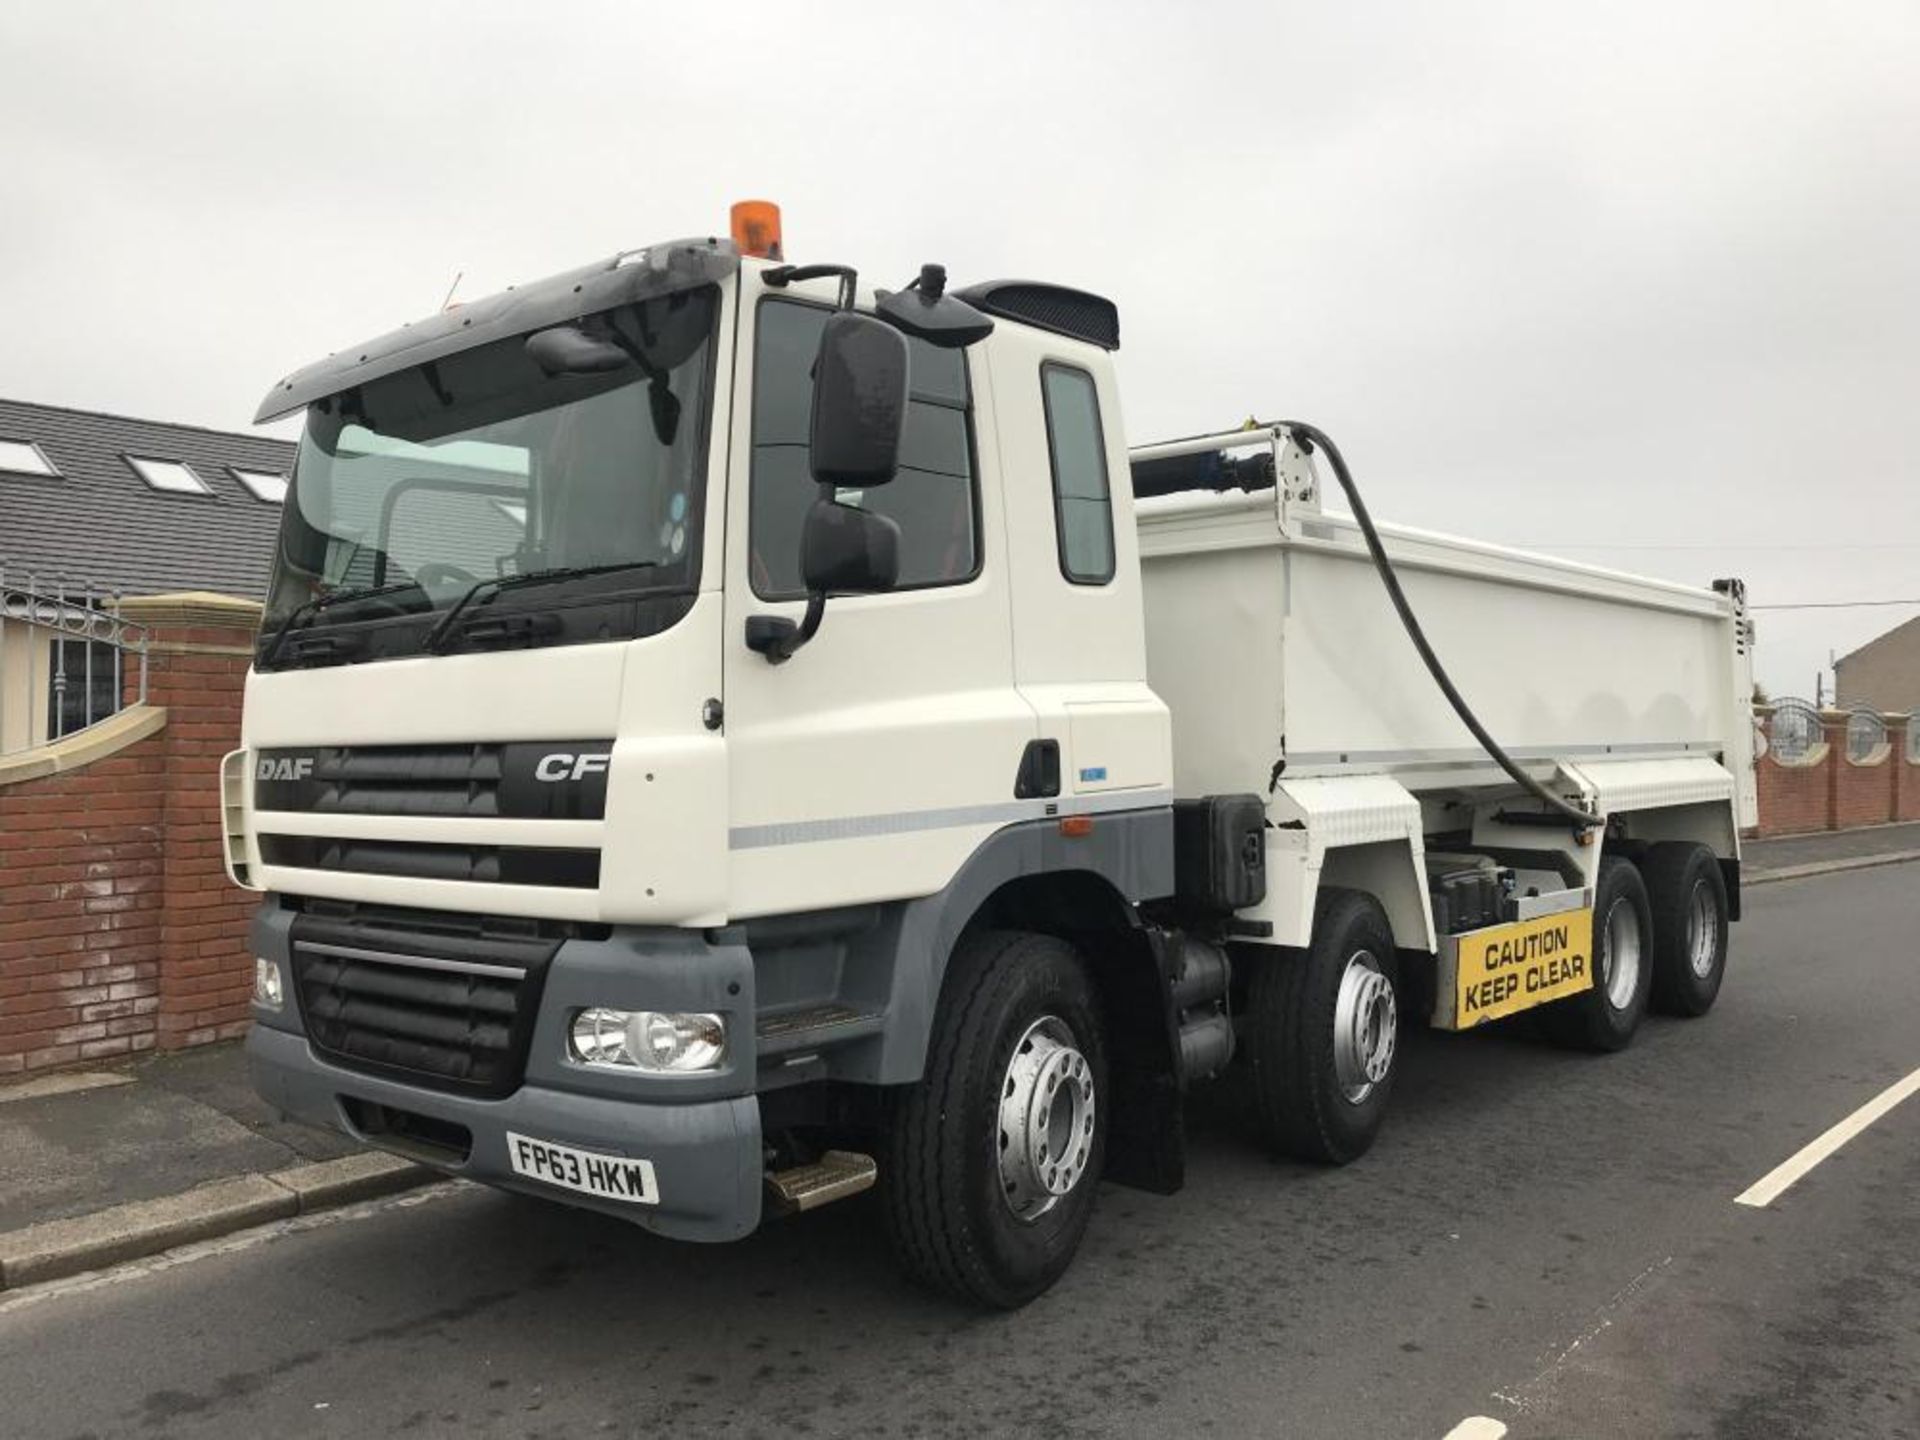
(756, 228)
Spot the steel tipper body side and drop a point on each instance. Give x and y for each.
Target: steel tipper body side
(474, 825)
(1623, 691)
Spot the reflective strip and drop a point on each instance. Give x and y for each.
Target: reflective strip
(903, 822)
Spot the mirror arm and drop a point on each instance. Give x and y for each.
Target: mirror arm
(783, 275)
(778, 636)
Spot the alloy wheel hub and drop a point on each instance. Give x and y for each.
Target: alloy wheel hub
(1045, 1135)
(1366, 1024)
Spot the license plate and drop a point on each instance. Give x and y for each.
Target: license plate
(1508, 968)
(608, 1177)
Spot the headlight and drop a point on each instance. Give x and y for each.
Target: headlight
(661, 1041)
(267, 989)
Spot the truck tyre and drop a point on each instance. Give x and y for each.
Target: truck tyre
(1323, 1033)
(1688, 897)
(992, 1159)
(1604, 1017)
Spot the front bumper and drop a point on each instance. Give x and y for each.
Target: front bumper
(706, 1155)
(700, 1132)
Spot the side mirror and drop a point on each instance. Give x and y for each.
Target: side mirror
(859, 402)
(849, 551)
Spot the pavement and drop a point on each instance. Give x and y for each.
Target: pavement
(108, 1165)
(1827, 851)
(1549, 1241)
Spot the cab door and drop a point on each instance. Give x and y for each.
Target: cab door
(870, 764)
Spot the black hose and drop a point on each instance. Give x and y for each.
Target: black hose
(1314, 436)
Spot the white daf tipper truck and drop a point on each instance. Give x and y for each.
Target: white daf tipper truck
(722, 738)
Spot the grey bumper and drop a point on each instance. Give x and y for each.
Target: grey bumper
(701, 1133)
(706, 1155)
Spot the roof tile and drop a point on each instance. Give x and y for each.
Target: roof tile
(99, 525)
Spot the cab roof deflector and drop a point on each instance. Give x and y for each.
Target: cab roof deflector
(1073, 313)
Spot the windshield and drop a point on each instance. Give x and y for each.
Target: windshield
(480, 467)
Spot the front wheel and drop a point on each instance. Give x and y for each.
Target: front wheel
(993, 1158)
(1323, 1033)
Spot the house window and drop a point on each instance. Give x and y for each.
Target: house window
(262, 485)
(84, 685)
(933, 498)
(23, 457)
(1077, 448)
(168, 475)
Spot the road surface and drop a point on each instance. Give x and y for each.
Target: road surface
(1543, 1239)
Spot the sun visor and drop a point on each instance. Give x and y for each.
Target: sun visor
(622, 280)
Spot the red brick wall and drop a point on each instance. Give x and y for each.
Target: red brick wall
(1794, 798)
(1906, 772)
(80, 865)
(119, 931)
(206, 976)
(1863, 793)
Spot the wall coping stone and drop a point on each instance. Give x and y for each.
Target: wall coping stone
(83, 747)
(193, 609)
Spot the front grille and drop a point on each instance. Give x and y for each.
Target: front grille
(521, 780)
(451, 1006)
(418, 860)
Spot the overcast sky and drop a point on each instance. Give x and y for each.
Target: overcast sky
(1635, 283)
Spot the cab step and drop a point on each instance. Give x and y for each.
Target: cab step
(834, 1176)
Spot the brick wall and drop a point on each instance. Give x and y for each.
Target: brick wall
(1828, 791)
(118, 929)
(80, 868)
(1906, 772)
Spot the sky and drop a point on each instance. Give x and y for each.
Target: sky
(1634, 283)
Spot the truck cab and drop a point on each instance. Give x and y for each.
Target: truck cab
(700, 759)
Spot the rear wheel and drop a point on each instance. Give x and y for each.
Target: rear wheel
(1688, 896)
(1324, 1033)
(993, 1158)
(1606, 1016)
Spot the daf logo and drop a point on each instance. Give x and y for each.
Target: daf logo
(565, 765)
(285, 768)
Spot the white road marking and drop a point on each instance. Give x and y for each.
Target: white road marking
(1477, 1427)
(1526, 1397)
(1770, 1186)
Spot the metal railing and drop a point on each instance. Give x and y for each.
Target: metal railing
(1788, 729)
(1866, 732)
(1792, 727)
(67, 658)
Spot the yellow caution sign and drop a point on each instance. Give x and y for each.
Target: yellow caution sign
(1509, 968)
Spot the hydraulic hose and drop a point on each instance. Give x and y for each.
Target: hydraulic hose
(1317, 437)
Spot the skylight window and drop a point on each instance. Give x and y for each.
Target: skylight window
(23, 457)
(168, 475)
(264, 486)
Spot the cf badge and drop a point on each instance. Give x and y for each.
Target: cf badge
(565, 765)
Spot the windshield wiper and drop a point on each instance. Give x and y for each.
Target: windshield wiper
(443, 627)
(309, 609)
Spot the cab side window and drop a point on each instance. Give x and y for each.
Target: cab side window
(934, 499)
(1077, 447)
